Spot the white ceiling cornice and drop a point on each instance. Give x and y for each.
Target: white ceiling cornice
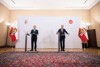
(48, 4)
(5, 4)
(93, 4)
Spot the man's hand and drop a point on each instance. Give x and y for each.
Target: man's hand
(28, 34)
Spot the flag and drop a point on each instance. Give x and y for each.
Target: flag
(83, 35)
(13, 32)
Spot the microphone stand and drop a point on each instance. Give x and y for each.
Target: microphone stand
(26, 42)
(58, 42)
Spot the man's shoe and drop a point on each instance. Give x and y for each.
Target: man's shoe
(62, 50)
(31, 50)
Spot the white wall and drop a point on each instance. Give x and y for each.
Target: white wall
(48, 26)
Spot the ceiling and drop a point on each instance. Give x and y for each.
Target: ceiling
(48, 4)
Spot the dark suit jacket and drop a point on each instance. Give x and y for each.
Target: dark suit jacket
(34, 34)
(62, 34)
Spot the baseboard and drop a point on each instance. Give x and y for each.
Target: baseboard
(98, 47)
(2, 46)
(7, 46)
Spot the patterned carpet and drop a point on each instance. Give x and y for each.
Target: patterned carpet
(49, 59)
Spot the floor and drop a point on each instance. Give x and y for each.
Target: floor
(89, 50)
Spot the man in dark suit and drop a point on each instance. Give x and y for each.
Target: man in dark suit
(61, 33)
(34, 33)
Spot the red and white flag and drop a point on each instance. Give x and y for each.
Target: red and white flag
(13, 32)
(83, 35)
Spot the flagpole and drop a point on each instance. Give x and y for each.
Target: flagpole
(7, 36)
